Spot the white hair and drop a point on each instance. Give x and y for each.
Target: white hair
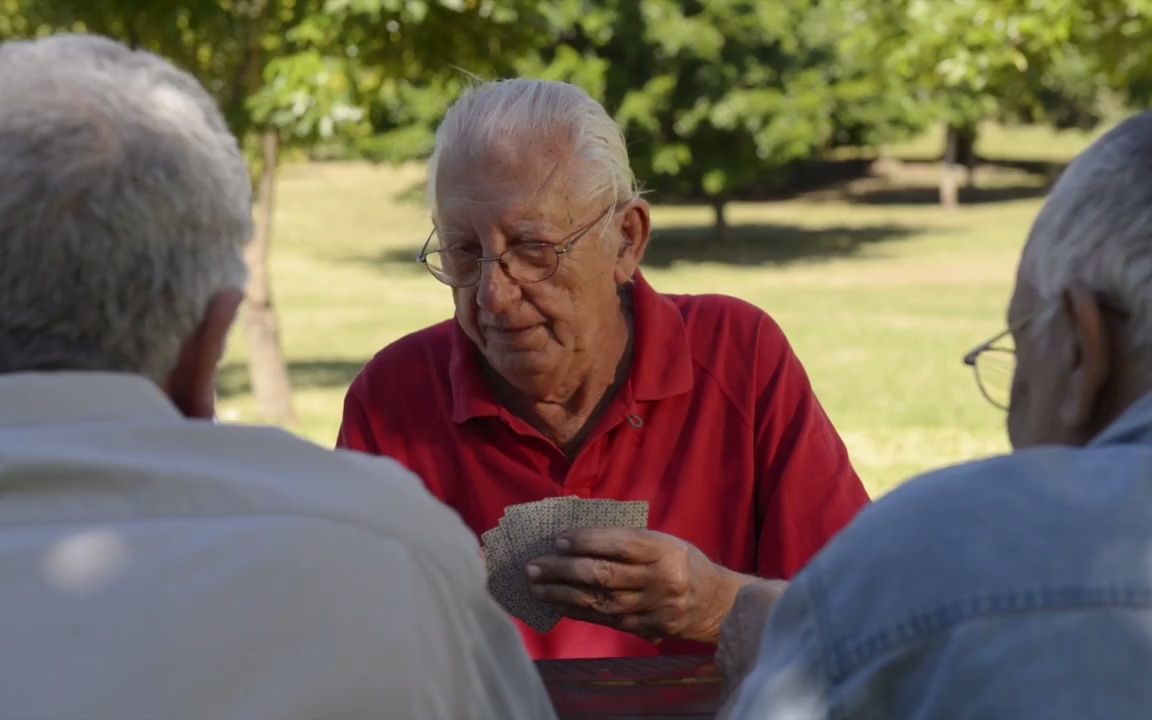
(125, 205)
(491, 112)
(1096, 226)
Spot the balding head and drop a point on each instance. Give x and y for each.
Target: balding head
(124, 208)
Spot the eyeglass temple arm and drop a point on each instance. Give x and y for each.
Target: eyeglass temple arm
(970, 358)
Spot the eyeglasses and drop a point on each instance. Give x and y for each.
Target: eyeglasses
(994, 361)
(526, 262)
(994, 366)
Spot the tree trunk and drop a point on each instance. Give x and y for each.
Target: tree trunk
(949, 192)
(266, 364)
(720, 227)
(966, 154)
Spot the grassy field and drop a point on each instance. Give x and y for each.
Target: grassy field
(880, 292)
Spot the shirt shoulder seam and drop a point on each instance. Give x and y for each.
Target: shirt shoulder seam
(729, 395)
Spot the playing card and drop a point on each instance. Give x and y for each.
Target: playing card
(610, 514)
(521, 525)
(495, 544)
(528, 531)
(510, 589)
(532, 529)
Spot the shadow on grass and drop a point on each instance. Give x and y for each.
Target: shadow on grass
(232, 378)
(931, 196)
(765, 244)
(1000, 180)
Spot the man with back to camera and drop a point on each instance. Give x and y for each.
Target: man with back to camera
(1021, 586)
(155, 564)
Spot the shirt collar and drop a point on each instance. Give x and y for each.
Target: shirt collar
(471, 396)
(1133, 426)
(49, 398)
(661, 361)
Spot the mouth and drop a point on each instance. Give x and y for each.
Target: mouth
(513, 337)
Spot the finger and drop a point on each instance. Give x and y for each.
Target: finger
(629, 545)
(598, 600)
(590, 571)
(642, 624)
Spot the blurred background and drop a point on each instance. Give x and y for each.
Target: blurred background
(864, 170)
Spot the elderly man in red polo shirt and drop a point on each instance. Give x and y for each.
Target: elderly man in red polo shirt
(565, 373)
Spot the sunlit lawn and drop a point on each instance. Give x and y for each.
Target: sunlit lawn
(880, 299)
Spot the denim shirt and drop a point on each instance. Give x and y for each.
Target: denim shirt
(1017, 587)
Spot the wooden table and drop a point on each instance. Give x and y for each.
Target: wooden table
(674, 687)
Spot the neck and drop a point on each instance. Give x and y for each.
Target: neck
(569, 411)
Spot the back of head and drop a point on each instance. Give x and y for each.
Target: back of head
(513, 111)
(1096, 226)
(125, 205)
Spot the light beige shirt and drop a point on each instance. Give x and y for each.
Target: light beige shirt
(153, 567)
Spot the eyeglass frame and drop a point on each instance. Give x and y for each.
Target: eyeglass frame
(561, 248)
(973, 355)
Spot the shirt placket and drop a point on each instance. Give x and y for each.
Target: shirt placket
(588, 465)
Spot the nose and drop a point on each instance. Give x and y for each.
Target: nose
(496, 291)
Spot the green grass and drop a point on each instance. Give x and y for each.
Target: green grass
(880, 299)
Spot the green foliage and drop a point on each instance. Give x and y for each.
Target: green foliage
(1117, 30)
(309, 98)
(961, 62)
(316, 71)
(715, 96)
(14, 20)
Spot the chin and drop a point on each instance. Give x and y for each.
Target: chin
(524, 368)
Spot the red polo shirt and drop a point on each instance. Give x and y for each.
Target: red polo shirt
(716, 427)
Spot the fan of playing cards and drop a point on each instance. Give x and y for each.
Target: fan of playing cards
(529, 530)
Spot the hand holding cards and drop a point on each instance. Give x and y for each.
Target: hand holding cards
(528, 531)
(639, 581)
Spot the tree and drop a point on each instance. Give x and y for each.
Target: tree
(967, 61)
(227, 47)
(13, 20)
(292, 73)
(715, 96)
(1113, 28)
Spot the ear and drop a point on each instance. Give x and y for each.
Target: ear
(192, 385)
(636, 228)
(1092, 366)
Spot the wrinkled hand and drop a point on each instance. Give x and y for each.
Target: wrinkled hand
(639, 581)
(742, 630)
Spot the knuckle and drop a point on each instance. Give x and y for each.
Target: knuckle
(603, 602)
(678, 582)
(676, 606)
(602, 572)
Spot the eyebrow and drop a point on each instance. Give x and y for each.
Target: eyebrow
(534, 232)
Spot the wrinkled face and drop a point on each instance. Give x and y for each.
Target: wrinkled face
(536, 335)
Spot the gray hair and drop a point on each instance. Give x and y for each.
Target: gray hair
(125, 205)
(517, 108)
(1096, 226)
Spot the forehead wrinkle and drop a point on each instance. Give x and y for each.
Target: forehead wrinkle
(542, 204)
(490, 184)
(510, 227)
